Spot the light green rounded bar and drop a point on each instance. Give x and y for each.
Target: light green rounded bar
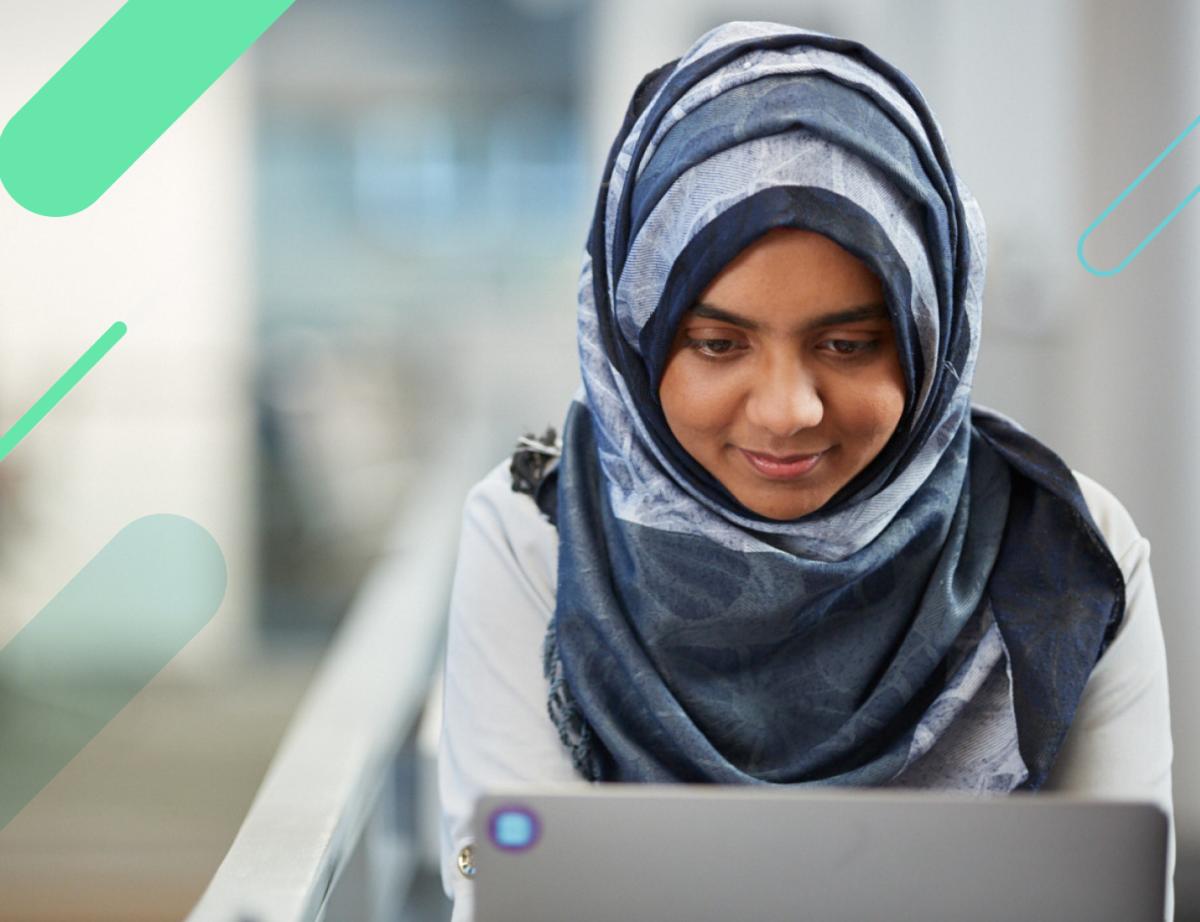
(115, 97)
(98, 642)
(60, 388)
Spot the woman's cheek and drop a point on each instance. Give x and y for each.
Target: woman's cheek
(683, 393)
(876, 411)
(711, 399)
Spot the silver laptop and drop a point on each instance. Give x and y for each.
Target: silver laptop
(650, 853)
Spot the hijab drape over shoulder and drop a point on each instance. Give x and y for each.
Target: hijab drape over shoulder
(935, 622)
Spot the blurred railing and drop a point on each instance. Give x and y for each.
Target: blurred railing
(336, 829)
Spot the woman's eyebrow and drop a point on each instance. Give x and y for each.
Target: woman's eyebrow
(849, 315)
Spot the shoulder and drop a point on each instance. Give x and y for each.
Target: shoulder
(1137, 646)
(493, 504)
(1113, 520)
(493, 499)
(506, 528)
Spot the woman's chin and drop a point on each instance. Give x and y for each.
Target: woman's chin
(783, 505)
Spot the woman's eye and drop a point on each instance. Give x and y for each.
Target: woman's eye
(713, 347)
(850, 347)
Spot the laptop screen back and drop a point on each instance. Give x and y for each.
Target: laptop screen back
(655, 853)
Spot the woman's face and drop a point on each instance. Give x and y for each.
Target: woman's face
(784, 381)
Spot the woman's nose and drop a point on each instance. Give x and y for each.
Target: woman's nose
(784, 400)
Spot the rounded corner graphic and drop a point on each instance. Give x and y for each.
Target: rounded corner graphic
(1120, 267)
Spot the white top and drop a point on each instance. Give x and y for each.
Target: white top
(496, 729)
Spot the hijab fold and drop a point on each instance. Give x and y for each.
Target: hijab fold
(934, 623)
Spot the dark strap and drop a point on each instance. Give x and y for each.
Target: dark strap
(534, 469)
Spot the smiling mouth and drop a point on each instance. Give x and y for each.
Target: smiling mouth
(782, 467)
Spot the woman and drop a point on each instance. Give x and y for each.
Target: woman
(780, 546)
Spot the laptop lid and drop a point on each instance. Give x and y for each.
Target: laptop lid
(655, 853)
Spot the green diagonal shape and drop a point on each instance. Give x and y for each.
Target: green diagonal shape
(98, 642)
(60, 388)
(117, 94)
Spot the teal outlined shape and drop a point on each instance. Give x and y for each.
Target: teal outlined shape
(1106, 273)
(98, 642)
(116, 96)
(60, 388)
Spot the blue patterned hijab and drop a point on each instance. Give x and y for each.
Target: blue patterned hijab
(935, 622)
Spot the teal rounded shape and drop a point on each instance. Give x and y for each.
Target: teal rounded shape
(1107, 273)
(99, 642)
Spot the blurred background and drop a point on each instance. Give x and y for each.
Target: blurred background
(358, 252)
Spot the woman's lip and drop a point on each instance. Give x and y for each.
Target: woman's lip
(786, 467)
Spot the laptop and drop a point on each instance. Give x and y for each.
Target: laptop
(682, 853)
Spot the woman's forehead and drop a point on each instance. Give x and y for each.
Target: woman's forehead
(789, 279)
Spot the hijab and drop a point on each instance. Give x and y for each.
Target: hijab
(935, 622)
